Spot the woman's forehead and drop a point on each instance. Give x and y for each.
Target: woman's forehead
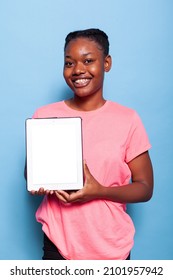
(83, 45)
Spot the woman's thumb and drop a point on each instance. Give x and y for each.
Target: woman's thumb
(86, 170)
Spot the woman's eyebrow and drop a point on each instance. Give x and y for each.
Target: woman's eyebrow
(84, 54)
(68, 56)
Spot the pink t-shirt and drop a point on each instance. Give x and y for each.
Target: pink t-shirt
(100, 229)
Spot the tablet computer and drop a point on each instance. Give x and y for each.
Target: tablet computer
(54, 159)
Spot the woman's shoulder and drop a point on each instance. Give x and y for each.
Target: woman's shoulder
(118, 108)
(49, 110)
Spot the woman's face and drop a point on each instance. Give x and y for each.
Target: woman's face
(84, 67)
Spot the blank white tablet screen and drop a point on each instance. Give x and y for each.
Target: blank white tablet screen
(54, 153)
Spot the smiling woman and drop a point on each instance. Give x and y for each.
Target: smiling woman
(92, 223)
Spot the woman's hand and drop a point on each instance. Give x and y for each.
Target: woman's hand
(89, 192)
(41, 191)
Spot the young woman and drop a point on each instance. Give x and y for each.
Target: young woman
(92, 223)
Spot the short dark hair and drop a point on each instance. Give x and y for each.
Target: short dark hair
(97, 35)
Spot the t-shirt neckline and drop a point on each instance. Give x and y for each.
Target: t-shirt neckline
(91, 112)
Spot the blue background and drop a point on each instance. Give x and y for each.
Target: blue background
(31, 60)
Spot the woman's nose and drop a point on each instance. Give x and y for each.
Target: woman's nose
(78, 69)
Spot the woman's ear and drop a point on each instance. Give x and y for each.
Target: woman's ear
(107, 63)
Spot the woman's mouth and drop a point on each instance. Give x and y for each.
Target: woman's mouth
(81, 82)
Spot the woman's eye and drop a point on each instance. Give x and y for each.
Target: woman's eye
(68, 64)
(88, 61)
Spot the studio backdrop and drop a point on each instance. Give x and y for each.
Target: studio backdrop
(31, 64)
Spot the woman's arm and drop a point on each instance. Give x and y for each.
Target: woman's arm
(141, 188)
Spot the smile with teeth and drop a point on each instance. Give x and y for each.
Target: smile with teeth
(81, 82)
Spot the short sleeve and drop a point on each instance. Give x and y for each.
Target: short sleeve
(35, 115)
(137, 141)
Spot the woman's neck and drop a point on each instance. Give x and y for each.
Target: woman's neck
(85, 103)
